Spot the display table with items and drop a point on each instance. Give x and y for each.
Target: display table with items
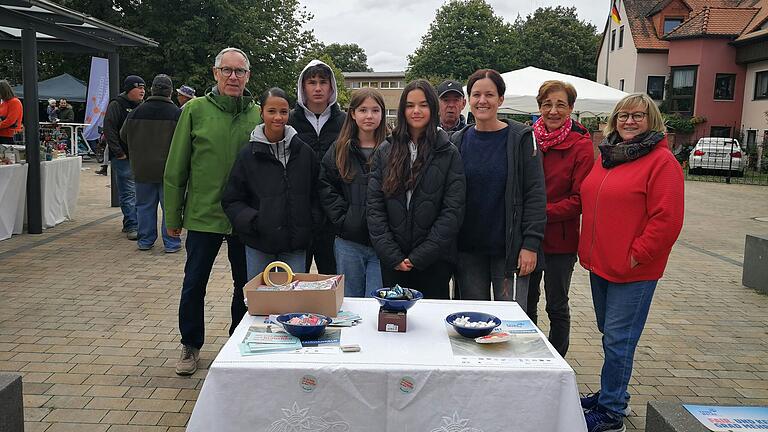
(350, 376)
(60, 187)
(13, 193)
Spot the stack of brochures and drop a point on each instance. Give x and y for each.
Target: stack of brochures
(345, 319)
(261, 339)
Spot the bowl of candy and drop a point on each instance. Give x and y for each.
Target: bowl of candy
(304, 325)
(473, 324)
(397, 298)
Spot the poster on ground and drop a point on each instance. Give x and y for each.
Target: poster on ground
(722, 418)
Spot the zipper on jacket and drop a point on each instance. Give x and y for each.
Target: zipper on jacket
(594, 219)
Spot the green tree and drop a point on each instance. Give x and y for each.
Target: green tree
(555, 39)
(465, 35)
(347, 57)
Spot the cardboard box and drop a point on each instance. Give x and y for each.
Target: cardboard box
(392, 321)
(324, 302)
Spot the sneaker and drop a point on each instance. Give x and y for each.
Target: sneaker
(132, 235)
(173, 250)
(145, 248)
(589, 402)
(187, 364)
(599, 420)
(102, 171)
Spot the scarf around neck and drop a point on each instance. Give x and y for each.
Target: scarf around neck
(616, 152)
(547, 140)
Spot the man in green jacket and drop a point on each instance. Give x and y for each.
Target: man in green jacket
(209, 134)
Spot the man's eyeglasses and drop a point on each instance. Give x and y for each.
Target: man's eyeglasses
(227, 72)
(559, 107)
(636, 116)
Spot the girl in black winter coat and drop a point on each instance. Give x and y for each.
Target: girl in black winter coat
(416, 197)
(343, 190)
(269, 197)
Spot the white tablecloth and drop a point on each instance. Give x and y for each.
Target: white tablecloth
(60, 187)
(400, 382)
(13, 193)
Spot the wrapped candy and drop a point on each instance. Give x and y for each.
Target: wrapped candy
(397, 293)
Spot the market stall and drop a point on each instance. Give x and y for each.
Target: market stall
(426, 379)
(13, 192)
(60, 187)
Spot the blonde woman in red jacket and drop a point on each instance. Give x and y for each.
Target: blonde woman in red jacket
(567, 154)
(632, 203)
(11, 113)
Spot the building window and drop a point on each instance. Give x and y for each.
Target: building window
(373, 84)
(683, 90)
(385, 84)
(391, 113)
(613, 40)
(621, 37)
(761, 85)
(356, 84)
(401, 84)
(621, 84)
(655, 88)
(724, 86)
(720, 131)
(671, 24)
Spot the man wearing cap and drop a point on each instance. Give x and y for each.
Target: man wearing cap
(452, 102)
(148, 131)
(184, 94)
(210, 133)
(117, 111)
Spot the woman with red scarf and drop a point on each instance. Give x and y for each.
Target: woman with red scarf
(568, 157)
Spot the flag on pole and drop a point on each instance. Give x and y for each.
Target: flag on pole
(98, 97)
(615, 13)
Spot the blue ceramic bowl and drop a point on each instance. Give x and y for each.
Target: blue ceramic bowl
(303, 332)
(471, 332)
(398, 305)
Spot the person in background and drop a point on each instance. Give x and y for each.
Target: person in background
(53, 111)
(506, 200)
(209, 134)
(117, 112)
(66, 112)
(452, 102)
(632, 213)
(344, 174)
(184, 94)
(270, 197)
(317, 118)
(567, 154)
(416, 196)
(11, 113)
(148, 131)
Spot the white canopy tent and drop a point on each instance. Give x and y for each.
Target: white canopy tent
(593, 99)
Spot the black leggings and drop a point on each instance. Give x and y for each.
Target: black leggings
(431, 281)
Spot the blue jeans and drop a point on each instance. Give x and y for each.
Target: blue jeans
(359, 265)
(148, 195)
(621, 310)
(127, 191)
(256, 260)
(202, 249)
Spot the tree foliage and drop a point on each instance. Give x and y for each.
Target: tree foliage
(347, 57)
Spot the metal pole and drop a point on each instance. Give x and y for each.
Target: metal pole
(32, 131)
(114, 90)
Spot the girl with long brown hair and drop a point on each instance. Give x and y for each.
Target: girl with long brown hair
(343, 191)
(416, 197)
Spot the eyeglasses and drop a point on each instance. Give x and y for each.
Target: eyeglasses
(227, 71)
(559, 107)
(636, 116)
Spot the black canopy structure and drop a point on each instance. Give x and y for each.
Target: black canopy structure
(64, 86)
(41, 25)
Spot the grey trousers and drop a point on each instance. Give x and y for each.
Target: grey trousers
(476, 274)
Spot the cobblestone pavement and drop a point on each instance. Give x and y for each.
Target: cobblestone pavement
(91, 322)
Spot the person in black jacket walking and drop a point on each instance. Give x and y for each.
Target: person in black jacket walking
(416, 197)
(270, 195)
(344, 176)
(318, 119)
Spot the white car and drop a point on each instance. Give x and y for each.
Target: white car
(717, 154)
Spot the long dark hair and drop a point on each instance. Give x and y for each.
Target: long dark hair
(398, 178)
(349, 131)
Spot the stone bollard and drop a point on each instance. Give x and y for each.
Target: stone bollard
(755, 274)
(670, 417)
(11, 403)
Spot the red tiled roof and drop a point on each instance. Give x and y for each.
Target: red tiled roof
(714, 21)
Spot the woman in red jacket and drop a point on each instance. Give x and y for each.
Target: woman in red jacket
(568, 157)
(11, 113)
(632, 203)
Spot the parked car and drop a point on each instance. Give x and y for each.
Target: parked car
(717, 154)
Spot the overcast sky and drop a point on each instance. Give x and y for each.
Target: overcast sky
(389, 30)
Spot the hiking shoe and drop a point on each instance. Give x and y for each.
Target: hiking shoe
(598, 420)
(187, 364)
(132, 235)
(589, 402)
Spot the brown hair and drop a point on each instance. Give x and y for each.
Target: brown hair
(492, 75)
(550, 86)
(6, 92)
(655, 120)
(349, 131)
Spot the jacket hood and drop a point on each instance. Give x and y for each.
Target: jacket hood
(300, 88)
(258, 135)
(234, 105)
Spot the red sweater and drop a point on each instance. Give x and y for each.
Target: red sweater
(565, 167)
(632, 210)
(12, 112)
